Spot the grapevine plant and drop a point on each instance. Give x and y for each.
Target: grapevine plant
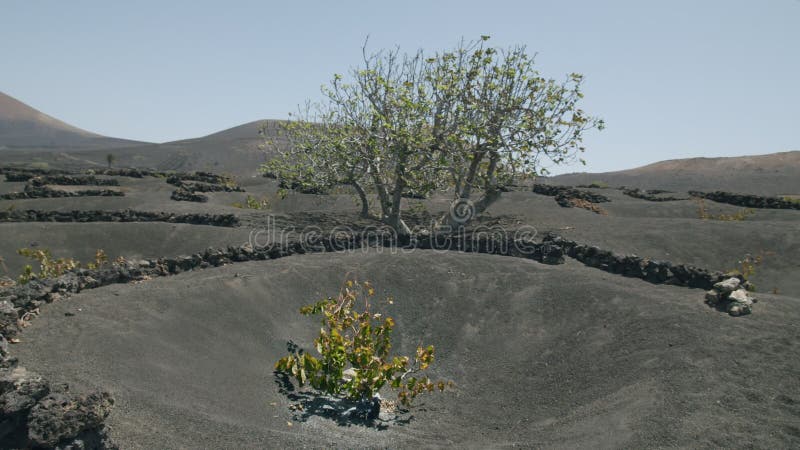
(355, 359)
(50, 267)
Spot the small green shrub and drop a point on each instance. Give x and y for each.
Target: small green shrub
(253, 203)
(50, 267)
(746, 267)
(791, 199)
(355, 352)
(737, 216)
(100, 258)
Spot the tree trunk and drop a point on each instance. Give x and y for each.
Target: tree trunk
(486, 200)
(363, 197)
(469, 180)
(383, 193)
(394, 220)
(399, 225)
(395, 217)
(490, 193)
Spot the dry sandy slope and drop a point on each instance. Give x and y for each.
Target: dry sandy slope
(24, 126)
(133, 241)
(660, 230)
(236, 151)
(672, 231)
(556, 356)
(770, 174)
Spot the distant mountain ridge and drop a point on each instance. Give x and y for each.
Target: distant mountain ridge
(28, 135)
(22, 126)
(770, 174)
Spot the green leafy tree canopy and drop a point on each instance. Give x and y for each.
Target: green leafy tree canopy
(473, 120)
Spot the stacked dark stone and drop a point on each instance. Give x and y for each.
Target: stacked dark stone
(189, 184)
(33, 191)
(652, 195)
(651, 270)
(199, 186)
(205, 177)
(747, 200)
(72, 180)
(32, 215)
(182, 195)
(131, 173)
(35, 413)
(18, 176)
(563, 194)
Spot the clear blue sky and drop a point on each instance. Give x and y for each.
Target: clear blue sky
(672, 79)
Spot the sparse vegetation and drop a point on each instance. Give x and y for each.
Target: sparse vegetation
(474, 119)
(746, 267)
(39, 165)
(252, 202)
(100, 258)
(587, 205)
(355, 352)
(50, 267)
(795, 200)
(704, 214)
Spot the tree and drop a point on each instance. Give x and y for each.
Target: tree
(371, 134)
(110, 159)
(497, 118)
(472, 119)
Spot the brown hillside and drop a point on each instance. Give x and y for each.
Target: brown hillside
(22, 126)
(770, 174)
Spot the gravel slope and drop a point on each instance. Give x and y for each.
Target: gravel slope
(555, 356)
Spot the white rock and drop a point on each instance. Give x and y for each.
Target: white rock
(727, 286)
(738, 309)
(740, 296)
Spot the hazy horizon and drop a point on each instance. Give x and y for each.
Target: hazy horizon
(672, 80)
